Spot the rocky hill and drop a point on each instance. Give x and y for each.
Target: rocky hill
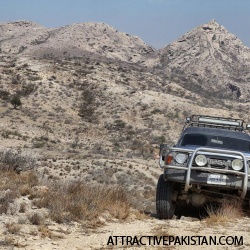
(72, 40)
(208, 60)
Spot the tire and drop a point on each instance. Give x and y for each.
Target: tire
(164, 205)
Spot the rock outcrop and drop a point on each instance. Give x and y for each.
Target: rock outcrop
(208, 59)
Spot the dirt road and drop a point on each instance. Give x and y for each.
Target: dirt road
(153, 230)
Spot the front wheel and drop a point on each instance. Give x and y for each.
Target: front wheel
(164, 205)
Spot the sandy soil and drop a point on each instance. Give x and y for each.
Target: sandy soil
(187, 226)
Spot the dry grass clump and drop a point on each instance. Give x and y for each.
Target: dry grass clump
(13, 185)
(79, 201)
(13, 228)
(37, 219)
(227, 211)
(45, 232)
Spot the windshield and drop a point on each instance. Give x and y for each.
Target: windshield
(215, 142)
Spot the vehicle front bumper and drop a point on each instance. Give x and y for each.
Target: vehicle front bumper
(201, 178)
(199, 175)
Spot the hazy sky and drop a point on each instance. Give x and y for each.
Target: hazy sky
(157, 22)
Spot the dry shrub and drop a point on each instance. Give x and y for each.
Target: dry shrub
(13, 228)
(45, 232)
(13, 185)
(38, 191)
(37, 219)
(227, 211)
(119, 210)
(79, 201)
(15, 160)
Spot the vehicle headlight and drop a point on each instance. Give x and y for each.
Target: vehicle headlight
(237, 164)
(201, 160)
(181, 158)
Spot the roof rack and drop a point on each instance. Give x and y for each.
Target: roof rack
(214, 122)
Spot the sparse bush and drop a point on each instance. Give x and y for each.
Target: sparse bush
(119, 124)
(35, 78)
(15, 160)
(4, 95)
(27, 89)
(13, 228)
(160, 139)
(45, 231)
(156, 111)
(40, 142)
(137, 144)
(23, 207)
(16, 79)
(87, 106)
(16, 101)
(7, 133)
(22, 220)
(37, 219)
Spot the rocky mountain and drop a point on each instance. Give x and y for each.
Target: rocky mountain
(72, 40)
(209, 60)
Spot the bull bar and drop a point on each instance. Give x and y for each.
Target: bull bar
(189, 167)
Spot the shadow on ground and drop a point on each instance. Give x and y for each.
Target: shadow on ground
(187, 211)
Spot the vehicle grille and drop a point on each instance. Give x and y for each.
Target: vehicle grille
(218, 162)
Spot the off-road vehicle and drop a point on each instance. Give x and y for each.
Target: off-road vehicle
(209, 162)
